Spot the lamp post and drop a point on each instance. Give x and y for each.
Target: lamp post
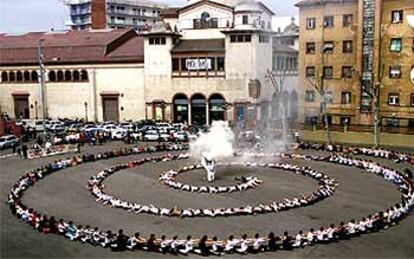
(375, 93)
(42, 85)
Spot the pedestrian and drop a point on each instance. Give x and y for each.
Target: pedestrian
(24, 151)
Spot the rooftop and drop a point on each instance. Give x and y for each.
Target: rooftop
(210, 45)
(72, 47)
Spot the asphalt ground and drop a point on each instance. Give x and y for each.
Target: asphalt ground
(64, 195)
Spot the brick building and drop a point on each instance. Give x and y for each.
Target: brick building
(355, 50)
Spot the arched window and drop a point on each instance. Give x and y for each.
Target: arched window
(26, 76)
(84, 75)
(60, 76)
(205, 16)
(19, 76)
(180, 103)
(68, 75)
(12, 76)
(4, 76)
(34, 76)
(76, 75)
(52, 76)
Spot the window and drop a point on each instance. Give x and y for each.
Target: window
(329, 97)
(157, 40)
(245, 19)
(346, 72)
(395, 45)
(175, 64)
(52, 76)
(84, 75)
(19, 76)
(412, 100)
(26, 76)
(328, 21)
(310, 23)
(310, 47)
(241, 38)
(345, 98)
(395, 71)
(4, 76)
(76, 76)
(60, 76)
(205, 22)
(310, 96)
(347, 20)
(310, 71)
(347, 46)
(328, 47)
(394, 99)
(264, 38)
(12, 76)
(397, 16)
(220, 64)
(34, 76)
(68, 75)
(327, 72)
(391, 122)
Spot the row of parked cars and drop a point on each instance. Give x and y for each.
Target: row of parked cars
(144, 130)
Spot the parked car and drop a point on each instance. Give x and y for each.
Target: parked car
(180, 136)
(151, 135)
(119, 134)
(8, 141)
(57, 128)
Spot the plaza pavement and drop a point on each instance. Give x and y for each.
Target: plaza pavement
(64, 195)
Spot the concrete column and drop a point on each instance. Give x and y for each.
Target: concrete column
(189, 114)
(207, 113)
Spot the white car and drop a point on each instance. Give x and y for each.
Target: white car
(38, 125)
(8, 141)
(119, 134)
(110, 128)
(151, 135)
(181, 136)
(57, 128)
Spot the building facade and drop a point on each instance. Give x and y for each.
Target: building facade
(354, 53)
(115, 14)
(91, 75)
(205, 61)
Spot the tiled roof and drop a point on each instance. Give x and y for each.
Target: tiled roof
(72, 47)
(210, 45)
(170, 12)
(319, 2)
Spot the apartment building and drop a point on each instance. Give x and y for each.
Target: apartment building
(115, 14)
(356, 54)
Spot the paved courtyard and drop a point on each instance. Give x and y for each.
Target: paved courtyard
(64, 195)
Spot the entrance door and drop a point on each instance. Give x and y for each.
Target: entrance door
(180, 103)
(21, 107)
(198, 110)
(217, 108)
(110, 107)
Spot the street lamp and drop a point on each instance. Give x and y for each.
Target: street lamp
(42, 84)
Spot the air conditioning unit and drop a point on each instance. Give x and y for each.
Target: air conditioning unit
(410, 20)
(412, 75)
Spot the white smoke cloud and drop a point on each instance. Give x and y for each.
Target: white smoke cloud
(218, 142)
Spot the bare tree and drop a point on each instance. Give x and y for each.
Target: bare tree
(318, 85)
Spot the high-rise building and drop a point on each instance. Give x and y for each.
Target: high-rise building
(115, 14)
(359, 55)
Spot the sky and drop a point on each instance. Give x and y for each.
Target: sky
(19, 16)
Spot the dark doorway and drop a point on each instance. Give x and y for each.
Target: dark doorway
(180, 103)
(110, 106)
(21, 107)
(198, 109)
(217, 108)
